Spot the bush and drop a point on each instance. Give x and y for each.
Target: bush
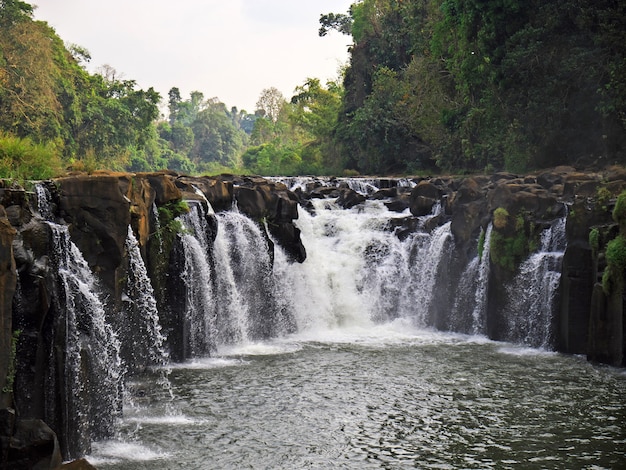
(619, 212)
(22, 159)
(616, 264)
(594, 241)
(500, 218)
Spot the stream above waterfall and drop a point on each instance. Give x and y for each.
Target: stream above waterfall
(389, 397)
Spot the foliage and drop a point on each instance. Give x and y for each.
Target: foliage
(270, 103)
(508, 251)
(22, 159)
(10, 379)
(594, 241)
(613, 277)
(500, 218)
(603, 196)
(471, 85)
(619, 212)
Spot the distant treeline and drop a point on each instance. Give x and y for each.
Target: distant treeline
(454, 85)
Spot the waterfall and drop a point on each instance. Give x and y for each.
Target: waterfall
(247, 309)
(471, 295)
(44, 205)
(532, 294)
(200, 332)
(358, 273)
(157, 227)
(93, 368)
(231, 295)
(141, 331)
(365, 186)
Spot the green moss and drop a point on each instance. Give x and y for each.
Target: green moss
(619, 212)
(508, 252)
(603, 196)
(613, 277)
(8, 387)
(500, 218)
(594, 241)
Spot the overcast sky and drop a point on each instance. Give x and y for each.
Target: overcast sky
(230, 49)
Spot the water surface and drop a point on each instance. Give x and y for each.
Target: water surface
(376, 399)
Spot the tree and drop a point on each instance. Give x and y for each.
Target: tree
(14, 11)
(216, 139)
(335, 21)
(270, 103)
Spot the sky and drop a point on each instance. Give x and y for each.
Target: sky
(229, 49)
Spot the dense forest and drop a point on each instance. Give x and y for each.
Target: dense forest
(431, 85)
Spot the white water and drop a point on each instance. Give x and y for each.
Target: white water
(94, 400)
(362, 382)
(142, 316)
(358, 275)
(531, 304)
(365, 186)
(199, 315)
(470, 306)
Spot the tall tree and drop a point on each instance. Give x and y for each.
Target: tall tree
(270, 103)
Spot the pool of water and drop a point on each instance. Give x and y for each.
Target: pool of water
(387, 399)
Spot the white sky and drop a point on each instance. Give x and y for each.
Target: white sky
(230, 49)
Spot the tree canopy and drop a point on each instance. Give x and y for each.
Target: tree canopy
(431, 85)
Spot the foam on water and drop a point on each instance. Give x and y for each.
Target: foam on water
(213, 362)
(260, 349)
(112, 452)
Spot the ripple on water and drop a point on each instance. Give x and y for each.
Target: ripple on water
(456, 402)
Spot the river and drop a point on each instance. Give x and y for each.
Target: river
(389, 397)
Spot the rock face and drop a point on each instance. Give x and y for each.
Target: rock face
(98, 209)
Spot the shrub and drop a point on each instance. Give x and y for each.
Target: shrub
(619, 212)
(22, 159)
(500, 218)
(594, 241)
(615, 264)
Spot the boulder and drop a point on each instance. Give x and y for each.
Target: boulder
(79, 464)
(217, 191)
(348, 198)
(164, 186)
(34, 445)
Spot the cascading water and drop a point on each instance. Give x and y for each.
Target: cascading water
(531, 295)
(365, 186)
(93, 368)
(358, 274)
(200, 329)
(361, 382)
(230, 291)
(141, 335)
(470, 306)
(246, 296)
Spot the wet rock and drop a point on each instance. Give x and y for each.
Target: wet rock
(80, 464)
(348, 198)
(34, 445)
(98, 212)
(8, 280)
